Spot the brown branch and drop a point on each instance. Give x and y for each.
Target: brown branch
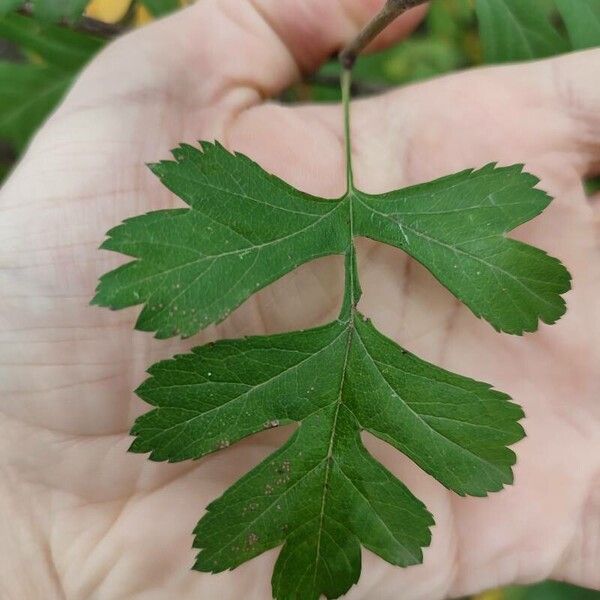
(391, 11)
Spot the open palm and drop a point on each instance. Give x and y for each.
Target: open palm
(79, 517)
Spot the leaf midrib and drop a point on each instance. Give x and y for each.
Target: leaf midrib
(329, 457)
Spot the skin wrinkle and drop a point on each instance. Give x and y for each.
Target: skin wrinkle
(25, 506)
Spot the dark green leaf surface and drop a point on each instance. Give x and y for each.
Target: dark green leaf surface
(456, 226)
(243, 230)
(516, 30)
(322, 495)
(582, 19)
(246, 228)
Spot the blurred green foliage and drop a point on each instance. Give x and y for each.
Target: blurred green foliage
(71, 10)
(548, 590)
(29, 89)
(513, 31)
(446, 41)
(582, 21)
(39, 61)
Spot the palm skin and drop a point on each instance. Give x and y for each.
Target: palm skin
(79, 517)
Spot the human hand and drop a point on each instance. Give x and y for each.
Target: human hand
(79, 517)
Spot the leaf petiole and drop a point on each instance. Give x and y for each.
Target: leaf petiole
(352, 289)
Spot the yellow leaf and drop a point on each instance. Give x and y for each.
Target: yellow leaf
(108, 11)
(142, 15)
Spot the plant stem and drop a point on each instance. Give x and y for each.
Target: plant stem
(391, 10)
(360, 88)
(352, 291)
(348, 56)
(346, 92)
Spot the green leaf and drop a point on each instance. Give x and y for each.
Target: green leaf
(582, 19)
(55, 10)
(28, 93)
(161, 7)
(549, 590)
(49, 10)
(57, 46)
(322, 495)
(8, 5)
(514, 30)
(244, 229)
(456, 227)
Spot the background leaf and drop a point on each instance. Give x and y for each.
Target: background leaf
(24, 104)
(548, 590)
(55, 10)
(582, 19)
(29, 91)
(515, 30)
(54, 45)
(49, 10)
(8, 5)
(159, 8)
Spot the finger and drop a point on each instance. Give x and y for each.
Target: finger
(217, 45)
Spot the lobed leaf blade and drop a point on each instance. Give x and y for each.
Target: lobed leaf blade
(223, 392)
(455, 226)
(244, 229)
(322, 495)
(456, 429)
